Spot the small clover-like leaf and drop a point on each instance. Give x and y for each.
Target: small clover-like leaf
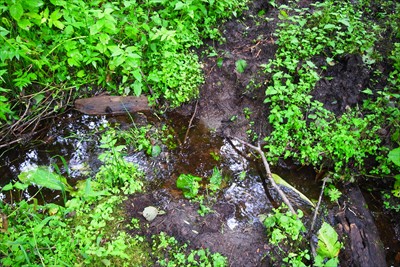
(241, 65)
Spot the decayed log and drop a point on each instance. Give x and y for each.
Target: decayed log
(103, 105)
(358, 225)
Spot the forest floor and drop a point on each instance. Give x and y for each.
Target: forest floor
(221, 107)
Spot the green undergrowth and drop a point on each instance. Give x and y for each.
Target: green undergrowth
(170, 253)
(88, 229)
(290, 246)
(309, 42)
(54, 51)
(201, 190)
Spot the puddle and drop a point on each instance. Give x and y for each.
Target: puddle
(75, 137)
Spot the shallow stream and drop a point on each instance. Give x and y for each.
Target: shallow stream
(72, 144)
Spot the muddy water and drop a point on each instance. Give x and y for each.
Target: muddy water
(75, 139)
(72, 144)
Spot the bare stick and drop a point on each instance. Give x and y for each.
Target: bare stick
(269, 174)
(190, 122)
(315, 218)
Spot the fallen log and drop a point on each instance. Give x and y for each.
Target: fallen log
(112, 105)
(364, 247)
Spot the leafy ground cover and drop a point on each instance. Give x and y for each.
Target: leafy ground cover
(52, 52)
(302, 127)
(284, 87)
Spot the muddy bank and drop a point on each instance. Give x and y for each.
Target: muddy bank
(243, 244)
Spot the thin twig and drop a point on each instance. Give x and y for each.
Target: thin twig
(315, 218)
(269, 174)
(190, 122)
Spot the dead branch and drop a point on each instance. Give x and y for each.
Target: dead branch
(269, 174)
(190, 122)
(313, 250)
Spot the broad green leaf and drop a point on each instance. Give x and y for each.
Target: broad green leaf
(345, 21)
(394, 156)
(115, 50)
(58, 24)
(16, 11)
(368, 91)
(3, 32)
(137, 88)
(138, 76)
(283, 14)
(153, 77)
(271, 91)
(334, 262)
(20, 186)
(396, 186)
(55, 15)
(241, 65)
(179, 5)
(32, 5)
(86, 188)
(328, 244)
(282, 182)
(38, 98)
(311, 64)
(44, 177)
(24, 24)
(80, 74)
(329, 26)
(58, 2)
(39, 226)
(189, 184)
(7, 187)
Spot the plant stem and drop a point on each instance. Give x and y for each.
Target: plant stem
(190, 122)
(269, 174)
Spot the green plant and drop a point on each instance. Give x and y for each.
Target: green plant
(170, 253)
(328, 247)
(390, 203)
(117, 173)
(333, 193)
(86, 231)
(394, 156)
(189, 184)
(285, 231)
(44, 177)
(247, 113)
(143, 138)
(83, 232)
(203, 208)
(215, 180)
(215, 156)
(284, 227)
(241, 65)
(302, 128)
